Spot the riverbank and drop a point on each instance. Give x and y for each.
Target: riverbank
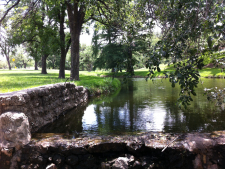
(143, 73)
(96, 82)
(16, 80)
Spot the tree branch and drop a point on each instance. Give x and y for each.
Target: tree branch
(100, 21)
(106, 6)
(7, 11)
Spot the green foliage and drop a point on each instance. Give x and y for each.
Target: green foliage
(6, 44)
(86, 58)
(213, 58)
(3, 64)
(20, 59)
(120, 41)
(112, 56)
(190, 29)
(36, 31)
(53, 61)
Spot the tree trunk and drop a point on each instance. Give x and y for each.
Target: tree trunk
(53, 64)
(62, 64)
(62, 41)
(24, 65)
(76, 15)
(35, 64)
(43, 65)
(7, 58)
(75, 48)
(130, 68)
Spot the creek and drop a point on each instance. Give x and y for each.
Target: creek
(141, 106)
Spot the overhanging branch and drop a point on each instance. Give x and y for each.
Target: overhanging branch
(7, 11)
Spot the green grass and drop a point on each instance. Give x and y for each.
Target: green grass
(212, 72)
(206, 72)
(16, 80)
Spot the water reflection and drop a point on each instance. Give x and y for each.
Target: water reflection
(143, 106)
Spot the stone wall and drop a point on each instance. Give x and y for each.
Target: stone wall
(28, 110)
(144, 151)
(44, 104)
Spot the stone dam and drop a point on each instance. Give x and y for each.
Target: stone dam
(24, 112)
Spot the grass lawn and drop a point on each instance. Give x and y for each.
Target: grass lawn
(17, 79)
(212, 72)
(206, 72)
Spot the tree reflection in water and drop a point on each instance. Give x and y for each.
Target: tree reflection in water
(143, 106)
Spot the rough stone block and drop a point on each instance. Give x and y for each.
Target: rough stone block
(6, 101)
(121, 163)
(17, 100)
(46, 99)
(39, 102)
(79, 88)
(43, 91)
(14, 129)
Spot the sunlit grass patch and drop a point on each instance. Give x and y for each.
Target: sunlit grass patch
(212, 72)
(16, 80)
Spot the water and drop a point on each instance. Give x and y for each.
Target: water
(142, 106)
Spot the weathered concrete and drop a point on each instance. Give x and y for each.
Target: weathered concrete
(44, 104)
(141, 151)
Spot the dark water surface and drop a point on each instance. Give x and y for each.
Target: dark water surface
(142, 106)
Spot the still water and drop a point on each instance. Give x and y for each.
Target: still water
(142, 106)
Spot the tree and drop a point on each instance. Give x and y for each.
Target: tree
(120, 42)
(37, 30)
(112, 56)
(10, 5)
(80, 12)
(107, 50)
(3, 64)
(65, 42)
(191, 30)
(6, 45)
(20, 58)
(40, 24)
(86, 58)
(57, 12)
(32, 49)
(53, 61)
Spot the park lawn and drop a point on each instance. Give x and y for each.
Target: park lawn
(17, 79)
(212, 72)
(205, 72)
